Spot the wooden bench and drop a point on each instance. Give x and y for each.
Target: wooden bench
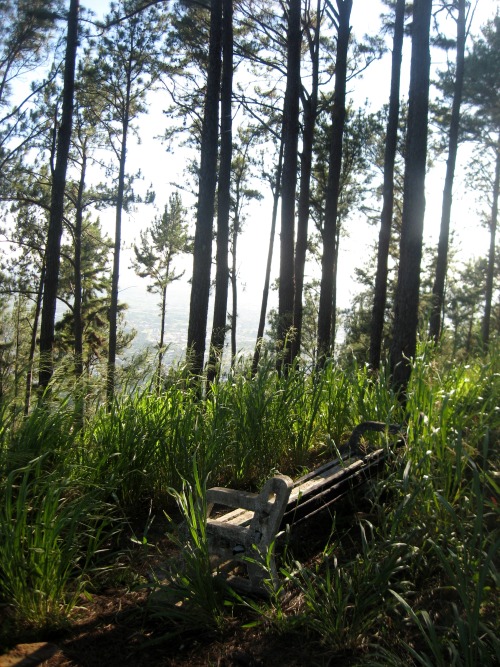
(245, 533)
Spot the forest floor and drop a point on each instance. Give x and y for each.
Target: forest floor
(110, 633)
(111, 628)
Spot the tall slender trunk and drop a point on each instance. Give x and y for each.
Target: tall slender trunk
(54, 233)
(219, 325)
(77, 306)
(404, 340)
(162, 334)
(333, 186)
(485, 328)
(237, 185)
(468, 341)
(113, 308)
(290, 131)
(435, 323)
(267, 279)
(34, 332)
(333, 329)
(202, 251)
(310, 113)
(234, 284)
(380, 290)
(18, 347)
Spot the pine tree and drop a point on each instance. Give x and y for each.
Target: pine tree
(404, 339)
(155, 256)
(219, 325)
(453, 136)
(55, 228)
(27, 28)
(126, 67)
(481, 96)
(202, 251)
(343, 16)
(312, 28)
(86, 301)
(290, 132)
(380, 291)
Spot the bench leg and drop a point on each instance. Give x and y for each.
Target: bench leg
(263, 573)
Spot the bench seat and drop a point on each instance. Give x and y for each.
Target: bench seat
(246, 534)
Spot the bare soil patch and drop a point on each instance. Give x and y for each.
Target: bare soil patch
(112, 628)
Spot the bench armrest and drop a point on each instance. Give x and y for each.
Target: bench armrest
(219, 495)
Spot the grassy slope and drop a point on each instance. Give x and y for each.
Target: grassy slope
(413, 581)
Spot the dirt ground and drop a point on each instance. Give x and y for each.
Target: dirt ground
(111, 629)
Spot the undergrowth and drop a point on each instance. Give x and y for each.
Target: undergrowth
(412, 580)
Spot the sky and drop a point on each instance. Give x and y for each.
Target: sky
(160, 168)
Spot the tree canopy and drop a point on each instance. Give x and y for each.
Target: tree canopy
(239, 102)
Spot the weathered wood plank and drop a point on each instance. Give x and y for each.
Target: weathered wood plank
(247, 532)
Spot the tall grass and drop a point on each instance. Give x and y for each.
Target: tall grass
(343, 603)
(422, 589)
(190, 599)
(428, 531)
(145, 443)
(264, 423)
(50, 534)
(244, 429)
(463, 552)
(48, 431)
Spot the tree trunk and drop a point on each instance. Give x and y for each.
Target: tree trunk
(202, 251)
(485, 328)
(233, 273)
(333, 328)
(435, 324)
(380, 290)
(31, 355)
(310, 113)
(54, 233)
(289, 182)
(162, 334)
(267, 280)
(18, 346)
(333, 186)
(77, 306)
(407, 293)
(113, 308)
(219, 325)
(468, 343)
(234, 284)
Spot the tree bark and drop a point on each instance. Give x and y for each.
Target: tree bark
(233, 273)
(113, 308)
(54, 233)
(162, 334)
(34, 331)
(267, 279)
(310, 105)
(289, 182)
(234, 290)
(335, 273)
(202, 251)
(380, 290)
(485, 328)
(407, 293)
(333, 186)
(77, 306)
(219, 326)
(435, 323)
